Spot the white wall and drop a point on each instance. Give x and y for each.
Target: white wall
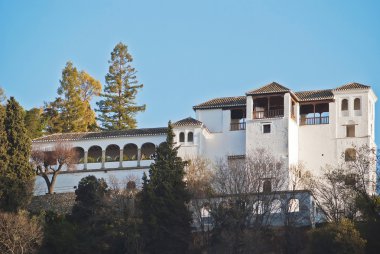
(66, 182)
(316, 146)
(212, 118)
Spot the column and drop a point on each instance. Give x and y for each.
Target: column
(103, 158)
(249, 108)
(85, 159)
(121, 158)
(138, 157)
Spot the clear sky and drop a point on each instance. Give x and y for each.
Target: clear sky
(187, 52)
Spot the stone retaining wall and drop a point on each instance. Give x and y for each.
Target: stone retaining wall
(60, 203)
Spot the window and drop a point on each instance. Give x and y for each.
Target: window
(350, 180)
(344, 104)
(350, 154)
(357, 104)
(267, 186)
(258, 207)
(276, 206)
(182, 137)
(350, 130)
(266, 128)
(206, 216)
(190, 137)
(293, 205)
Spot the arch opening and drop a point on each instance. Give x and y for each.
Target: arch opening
(147, 151)
(94, 154)
(78, 155)
(130, 152)
(112, 153)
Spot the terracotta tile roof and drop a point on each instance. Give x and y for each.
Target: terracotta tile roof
(222, 103)
(188, 122)
(269, 88)
(103, 134)
(315, 95)
(351, 86)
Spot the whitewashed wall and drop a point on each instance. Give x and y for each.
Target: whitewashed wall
(67, 182)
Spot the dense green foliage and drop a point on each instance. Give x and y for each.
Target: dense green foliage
(118, 107)
(3, 141)
(166, 219)
(71, 111)
(34, 122)
(96, 225)
(16, 174)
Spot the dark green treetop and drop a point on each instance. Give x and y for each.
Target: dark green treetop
(34, 122)
(166, 219)
(16, 173)
(118, 107)
(19, 143)
(3, 142)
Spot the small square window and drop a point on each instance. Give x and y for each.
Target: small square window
(350, 131)
(266, 128)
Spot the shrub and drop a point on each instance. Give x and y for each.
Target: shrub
(19, 233)
(341, 238)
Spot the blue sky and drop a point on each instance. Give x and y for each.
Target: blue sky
(187, 52)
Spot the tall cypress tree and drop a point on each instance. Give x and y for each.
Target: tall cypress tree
(17, 177)
(3, 142)
(118, 107)
(19, 143)
(166, 219)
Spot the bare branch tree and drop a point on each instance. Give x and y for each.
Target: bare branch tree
(247, 196)
(48, 164)
(337, 190)
(198, 179)
(19, 234)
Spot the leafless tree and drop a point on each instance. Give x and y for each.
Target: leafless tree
(337, 190)
(198, 178)
(247, 199)
(49, 164)
(19, 234)
(123, 193)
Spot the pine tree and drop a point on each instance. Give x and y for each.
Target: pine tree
(166, 219)
(71, 111)
(118, 107)
(17, 178)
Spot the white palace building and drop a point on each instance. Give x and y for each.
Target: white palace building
(313, 127)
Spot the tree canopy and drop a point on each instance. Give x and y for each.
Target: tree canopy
(71, 111)
(118, 107)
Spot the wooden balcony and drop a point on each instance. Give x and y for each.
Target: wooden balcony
(315, 120)
(268, 113)
(237, 126)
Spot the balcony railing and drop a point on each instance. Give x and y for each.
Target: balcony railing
(268, 113)
(237, 126)
(314, 120)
